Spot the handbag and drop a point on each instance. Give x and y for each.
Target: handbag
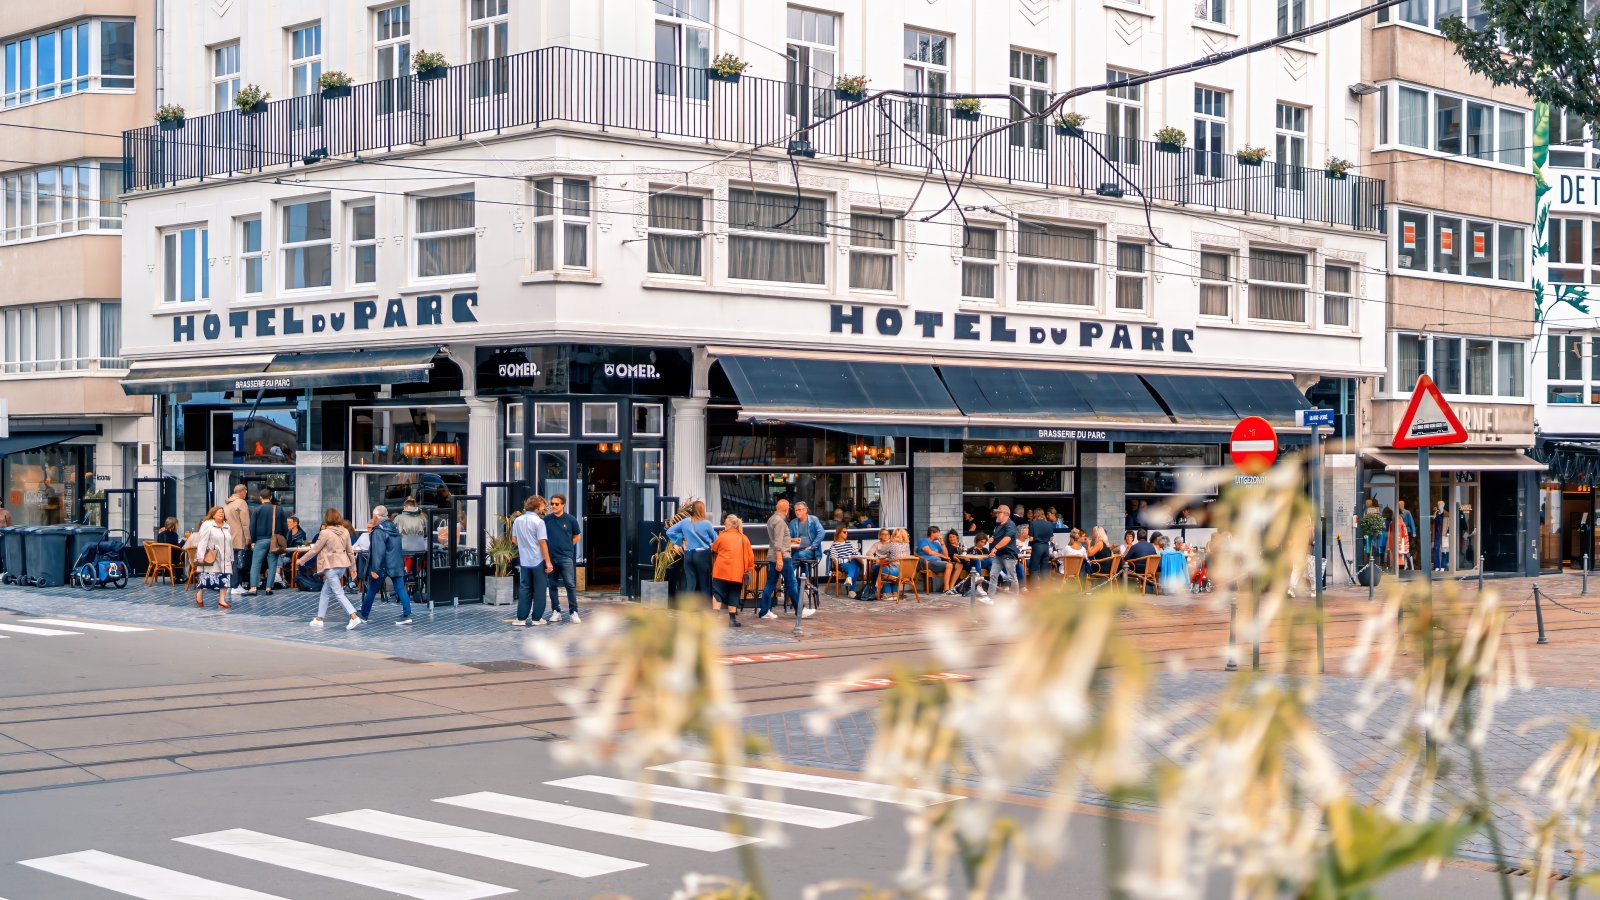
(277, 543)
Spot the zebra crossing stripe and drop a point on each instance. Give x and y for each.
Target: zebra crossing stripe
(137, 879)
(42, 632)
(822, 784)
(87, 626)
(567, 861)
(687, 837)
(773, 811)
(396, 878)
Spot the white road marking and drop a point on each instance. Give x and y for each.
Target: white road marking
(787, 813)
(688, 837)
(42, 632)
(397, 878)
(1252, 446)
(822, 784)
(89, 626)
(550, 857)
(137, 879)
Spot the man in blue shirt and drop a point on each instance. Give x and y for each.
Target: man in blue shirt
(533, 556)
(808, 529)
(564, 532)
(1005, 548)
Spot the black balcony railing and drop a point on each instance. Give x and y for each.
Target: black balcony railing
(560, 85)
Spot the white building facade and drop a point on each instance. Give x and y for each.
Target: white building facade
(577, 264)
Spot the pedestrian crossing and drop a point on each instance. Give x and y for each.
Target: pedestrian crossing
(624, 838)
(49, 628)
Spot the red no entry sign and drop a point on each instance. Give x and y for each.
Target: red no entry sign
(1253, 445)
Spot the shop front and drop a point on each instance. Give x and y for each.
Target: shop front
(1567, 500)
(46, 477)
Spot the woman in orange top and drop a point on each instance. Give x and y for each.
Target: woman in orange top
(731, 560)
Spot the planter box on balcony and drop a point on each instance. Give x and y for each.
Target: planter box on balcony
(1069, 130)
(1169, 148)
(432, 74)
(170, 124)
(1248, 162)
(254, 109)
(335, 93)
(971, 116)
(849, 96)
(714, 75)
(1336, 176)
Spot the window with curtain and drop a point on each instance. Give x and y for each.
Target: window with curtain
(250, 257)
(60, 200)
(1132, 278)
(363, 244)
(1472, 129)
(1056, 264)
(446, 237)
(1336, 284)
(111, 336)
(186, 272)
(980, 261)
(61, 337)
(1480, 368)
(677, 234)
(1509, 250)
(1447, 245)
(1278, 281)
(562, 217)
(777, 237)
(812, 51)
(1447, 364)
(872, 253)
(683, 48)
(489, 33)
(1216, 284)
(1413, 114)
(1411, 361)
(1447, 124)
(1509, 377)
(307, 245)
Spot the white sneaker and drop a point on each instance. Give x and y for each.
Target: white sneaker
(315, 623)
(553, 618)
(807, 613)
(355, 622)
(985, 599)
(573, 618)
(852, 595)
(536, 622)
(770, 615)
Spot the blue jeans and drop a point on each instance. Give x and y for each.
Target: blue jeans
(697, 572)
(261, 556)
(399, 582)
(530, 601)
(566, 573)
(851, 569)
(791, 585)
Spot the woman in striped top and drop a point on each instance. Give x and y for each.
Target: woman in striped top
(844, 553)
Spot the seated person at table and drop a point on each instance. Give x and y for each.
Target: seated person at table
(1128, 540)
(953, 551)
(880, 548)
(296, 535)
(1099, 552)
(843, 555)
(1139, 554)
(932, 551)
(899, 547)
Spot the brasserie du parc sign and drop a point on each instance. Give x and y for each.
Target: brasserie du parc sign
(996, 328)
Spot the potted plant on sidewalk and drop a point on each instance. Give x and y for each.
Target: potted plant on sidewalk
(727, 67)
(967, 108)
(1071, 124)
(170, 117)
(251, 100)
(1250, 156)
(1371, 527)
(655, 592)
(500, 588)
(850, 88)
(430, 65)
(335, 84)
(1171, 140)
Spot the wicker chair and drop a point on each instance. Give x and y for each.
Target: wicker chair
(908, 568)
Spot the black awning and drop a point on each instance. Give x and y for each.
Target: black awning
(768, 385)
(222, 375)
(1569, 461)
(350, 368)
(1222, 400)
(23, 441)
(1045, 394)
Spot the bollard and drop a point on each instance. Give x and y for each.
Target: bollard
(1586, 575)
(1480, 573)
(1233, 646)
(1370, 581)
(1538, 614)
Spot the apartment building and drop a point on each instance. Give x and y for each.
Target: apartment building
(75, 76)
(1456, 155)
(579, 262)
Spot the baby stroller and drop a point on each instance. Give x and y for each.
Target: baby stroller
(102, 564)
(1200, 581)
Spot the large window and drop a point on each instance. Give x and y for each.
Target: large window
(775, 237)
(54, 201)
(305, 67)
(409, 436)
(1124, 115)
(391, 56)
(1458, 126)
(1465, 367)
(1278, 281)
(872, 253)
(1569, 139)
(445, 235)
(683, 47)
(1216, 283)
(1030, 86)
(1210, 131)
(980, 261)
(185, 266)
(1291, 149)
(1429, 13)
(561, 224)
(87, 55)
(1451, 245)
(62, 337)
(307, 245)
(489, 46)
(1056, 264)
(927, 70)
(677, 234)
(812, 51)
(224, 76)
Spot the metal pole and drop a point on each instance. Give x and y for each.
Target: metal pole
(1316, 562)
(1371, 581)
(1586, 574)
(1538, 613)
(1480, 572)
(1425, 534)
(1233, 643)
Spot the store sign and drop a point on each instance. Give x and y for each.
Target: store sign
(574, 369)
(1575, 191)
(363, 315)
(1000, 329)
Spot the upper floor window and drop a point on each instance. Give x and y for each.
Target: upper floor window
(1429, 13)
(1030, 85)
(305, 67)
(1291, 149)
(1278, 283)
(445, 235)
(185, 264)
(391, 57)
(927, 70)
(250, 257)
(1453, 245)
(1460, 366)
(1210, 131)
(1216, 283)
(224, 76)
(980, 261)
(1124, 114)
(771, 239)
(1056, 264)
(1573, 376)
(363, 244)
(677, 234)
(1212, 11)
(683, 47)
(812, 52)
(1457, 126)
(62, 337)
(561, 223)
(1337, 282)
(307, 245)
(56, 201)
(92, 54)
(1132, 277)
(1291, 16)
(872, 253)
(489, 36)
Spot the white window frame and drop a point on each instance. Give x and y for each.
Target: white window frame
(1210, 130)
(488, 46)
(1030, 91)
(655, 232)
(1331, 296)
(991, 263)
(562, 407)
(1139, 277)
(226, 65)
(813, 62)
(252, 259)
(1124, 139)
(553, 215)
(858, 228)
(1587, 383)
(1292, 136)
(616, 420)
(1425, 244)
(1291, 16)
(1213, 11)
(1092, 265)
(305, 67)
(1513, 143)
(689, 26)
(413, 213)
(75, 70)
(1304, 287)
(173, 237)
(1467, 9)
(923, 72)
(360, 245)
(661, 419)
(739, 231)
(75, 334)
(1225, 284)
(287, 250)
(75, 203)
(391, 50)
(1399, 384)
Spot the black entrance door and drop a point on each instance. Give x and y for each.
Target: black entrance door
(1502, 545)
(601, 483)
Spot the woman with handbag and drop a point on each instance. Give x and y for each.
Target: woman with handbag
(212, 543)
(334, 556)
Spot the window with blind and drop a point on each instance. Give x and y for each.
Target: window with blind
(561, 224)
(777, 237)
(1132, 278)
(1216, 284)
(445, 236)
(1449, 245)
(677, 233)
(1056, 264)
(1278, 282)
(980, 260)
(872, 252)
(55, 201)
(1482, 367)
(1336, 285)
(62, 337)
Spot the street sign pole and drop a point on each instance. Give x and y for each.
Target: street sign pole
(1425, 541)
(1318, 539)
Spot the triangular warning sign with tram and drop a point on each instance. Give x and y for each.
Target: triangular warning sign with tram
(1429, 421)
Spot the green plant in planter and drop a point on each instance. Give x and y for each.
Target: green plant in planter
(335, 84)
(1250, 156)
(1372, 525)
(430, 64)
(170, 117)
(850, 87)
(727, 67)
(1338, 168)
(967, 107)
(503, 550)
(251, 99)
(1171, 139)
(1071, 123)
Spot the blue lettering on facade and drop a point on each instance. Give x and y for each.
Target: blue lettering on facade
(290, 320)
(998, 329)
(365, 312)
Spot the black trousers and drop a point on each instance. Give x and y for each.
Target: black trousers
(697, 572)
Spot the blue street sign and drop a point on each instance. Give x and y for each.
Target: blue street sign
(1313, 417)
